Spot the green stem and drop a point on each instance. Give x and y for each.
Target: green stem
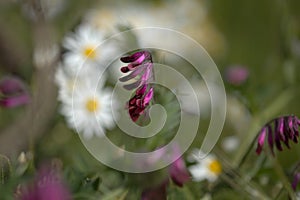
(9, 166)
(286, 183)
(257, 122)
(238, 181)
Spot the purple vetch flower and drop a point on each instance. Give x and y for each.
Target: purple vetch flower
(47, 185)
(141, 69)
(296, 181)
(13, 92)
(236, 75)
(285, 129)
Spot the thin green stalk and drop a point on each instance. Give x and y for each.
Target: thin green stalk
(237, 181)
(286, 183)
(9, 167)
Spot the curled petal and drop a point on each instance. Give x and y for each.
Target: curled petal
(125, 69)
(278, 141)
(296, 127)
(270, 139)
(132, 85)
(148, 97)
(133, 74)
(261, 140)
(137, 58)
(141, 90)
(279, 128)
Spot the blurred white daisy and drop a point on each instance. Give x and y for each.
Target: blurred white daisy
(86, 49)
(89, 111)
(208, 168)
(65, 84)
(230, 143)
(68, 83)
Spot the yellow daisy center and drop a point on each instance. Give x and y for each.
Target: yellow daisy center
(92, 105)
(89, 52)
(215, 167)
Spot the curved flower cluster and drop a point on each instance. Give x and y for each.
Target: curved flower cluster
(141, 67)
(285, 129)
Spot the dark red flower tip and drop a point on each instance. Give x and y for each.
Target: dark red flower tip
(124, 69)
(138, 57)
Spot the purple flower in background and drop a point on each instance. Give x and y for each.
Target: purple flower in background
(177, 170)
(178, 174)
(285, 129)
(13, 92)
(296, 181)
(47, 185)
(141, 69)
(236, 75)
(158, 192)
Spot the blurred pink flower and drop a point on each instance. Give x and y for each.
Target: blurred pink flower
(177, 170)
(236, 75)
(47, 185)
(13, 92)
(178, 174)
(158, 192)
(296, 181)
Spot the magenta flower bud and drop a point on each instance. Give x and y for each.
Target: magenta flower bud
(285, 130)
(137, 58)
(13, 92)
(236, 75)
(261, 140)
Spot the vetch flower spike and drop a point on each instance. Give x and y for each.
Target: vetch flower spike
(285, 129)
(141, 67)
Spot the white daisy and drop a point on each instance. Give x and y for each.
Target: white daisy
(230, 143)
(85, 50)
(208, 168)
(89, 111)
(68, 83)
(65, 84)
